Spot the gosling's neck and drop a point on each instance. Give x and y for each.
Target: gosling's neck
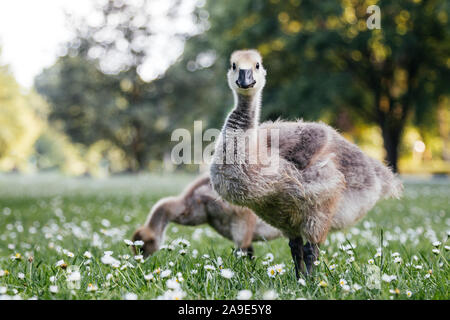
(159, 219)
(245, 114)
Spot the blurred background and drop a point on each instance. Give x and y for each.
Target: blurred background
(95, 88)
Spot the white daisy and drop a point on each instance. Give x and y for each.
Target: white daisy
(227, 273)
(244, 295)
(165, 273)
(53, 289)
(271, 271)
(270, 295)
(131, 296)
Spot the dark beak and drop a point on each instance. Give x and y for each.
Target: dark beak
(245, 79)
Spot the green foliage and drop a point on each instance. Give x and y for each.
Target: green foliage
(322, 62)
(22, 119)
(322, 58)
(97, 97)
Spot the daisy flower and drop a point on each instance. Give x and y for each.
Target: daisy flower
(139, 243)
(244, 295)
(398, 260)
(302, 282)
(271, 271)
(181, 242)
(109, 260)
(165, 273)
(270, 295)
(209, 267)
(178, 294)
(172, 295)
(280, 268)
(345, 287)
(61, 264)
(408, 294)
(17, 256)
(53, 289)
(131, 296)
(74, 276)
(388, 278)
(91, 287)
(394, 291)
(149, 277)
(227, 273)
(323, 284)
(128, 242)
(87, 255)
(173, 284)
(356, 287)
(436, 243)
(370, 261)
(268, 258)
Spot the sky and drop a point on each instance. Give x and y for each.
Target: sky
(31, 32)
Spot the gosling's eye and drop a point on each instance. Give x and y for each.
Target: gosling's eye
(257, 65)
(234, 66)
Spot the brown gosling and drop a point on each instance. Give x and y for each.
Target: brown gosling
(199, 204)
(321, 182)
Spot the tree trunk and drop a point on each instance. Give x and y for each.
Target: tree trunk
(391, 130)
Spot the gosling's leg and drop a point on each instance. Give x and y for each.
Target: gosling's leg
(310, 254)
(250, 252)
(296, 245)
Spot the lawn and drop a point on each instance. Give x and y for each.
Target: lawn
(54, 232)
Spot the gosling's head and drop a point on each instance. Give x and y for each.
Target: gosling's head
(152, 232)
(247, 75)
(150, 239)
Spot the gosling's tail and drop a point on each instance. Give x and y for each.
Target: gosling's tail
(391, 185)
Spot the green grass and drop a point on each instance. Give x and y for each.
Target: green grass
(45, 215)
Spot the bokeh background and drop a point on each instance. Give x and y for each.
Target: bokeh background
(95, 88)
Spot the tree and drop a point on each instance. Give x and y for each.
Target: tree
(100, 89)
(322, 57)
(22, 120)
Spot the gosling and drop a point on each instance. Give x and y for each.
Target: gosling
(199, 204)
